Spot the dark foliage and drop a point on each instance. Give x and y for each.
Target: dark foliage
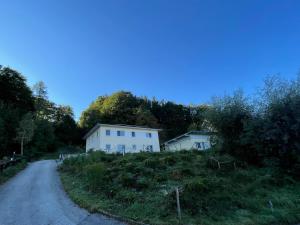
(265, 132)
(54, 126)
(125, 108)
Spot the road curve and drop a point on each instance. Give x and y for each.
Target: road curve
(35, 197)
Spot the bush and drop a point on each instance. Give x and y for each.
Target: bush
(151, 163)
(95, 174)
(142, 183)
(12, 170)
(126, 196)
(267, 129)
(197, 185)
(127, 180)
(169, 160)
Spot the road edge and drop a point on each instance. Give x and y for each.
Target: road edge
(100, 211)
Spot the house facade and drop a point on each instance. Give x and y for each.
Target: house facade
(122, 139)
(199, 140)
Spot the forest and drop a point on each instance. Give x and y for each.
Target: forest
(29, 119)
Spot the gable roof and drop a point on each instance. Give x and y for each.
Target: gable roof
(194, 132)
(117, 125)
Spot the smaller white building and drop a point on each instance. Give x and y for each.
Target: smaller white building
(199, 140)
(122, 139)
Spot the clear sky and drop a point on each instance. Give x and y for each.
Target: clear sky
(184, 51)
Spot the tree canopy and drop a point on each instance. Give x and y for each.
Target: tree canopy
(125, 108)
(23, 111)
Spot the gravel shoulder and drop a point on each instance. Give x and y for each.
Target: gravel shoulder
(35, 197)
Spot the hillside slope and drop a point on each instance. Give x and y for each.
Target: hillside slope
(141, 187)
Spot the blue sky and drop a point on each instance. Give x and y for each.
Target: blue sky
(184, 51)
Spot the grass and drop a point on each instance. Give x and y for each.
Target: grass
(141, 187)
(12, 171)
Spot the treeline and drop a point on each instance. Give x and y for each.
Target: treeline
(263, 130)
(125, 108)
(29, 121)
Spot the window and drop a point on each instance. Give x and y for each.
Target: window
(148, 135)
(200, 145)
(133, 147)
(132, 134)
(121, 149)
(107, 147)
(149, 148)
(107, 132)
(121, 133)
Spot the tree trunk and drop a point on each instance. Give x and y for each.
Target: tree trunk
(22, 146)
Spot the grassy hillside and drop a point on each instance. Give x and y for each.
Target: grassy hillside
(141, 187)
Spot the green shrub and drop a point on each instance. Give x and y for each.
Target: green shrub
(159, 177)
(151, 163)
(130, 167)
(127, 180)
(95, 174)
(12, 170)
(169, 160)
(142, 183)
(126, 196)
(197, 185)
(176, 175)
(187, 172)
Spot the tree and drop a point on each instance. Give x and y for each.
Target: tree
(14, 90)
(280, 115)
(44, 108)
(92, 114)
(15, 101)
(125, 108)
(120, 107)
(199, 121)
(145, 118)
(228, 116)
(66, 129)
(43, 140)
(40, 90)
(25, 130)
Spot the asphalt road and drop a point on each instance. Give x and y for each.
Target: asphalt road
(35, 197)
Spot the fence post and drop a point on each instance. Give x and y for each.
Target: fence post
(271, 206)
(178, 204)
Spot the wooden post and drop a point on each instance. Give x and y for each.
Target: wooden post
(271, 206)
(178, 204)
(22, 146)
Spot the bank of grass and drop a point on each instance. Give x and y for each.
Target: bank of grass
(12, 171)
(141, 187)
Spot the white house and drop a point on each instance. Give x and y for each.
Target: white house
(192, 140)
(122, 139)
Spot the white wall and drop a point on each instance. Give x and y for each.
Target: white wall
(141, 141)
(189, 142)
(93, 141)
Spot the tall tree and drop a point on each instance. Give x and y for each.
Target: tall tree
(44, 108)
(25, 130)
(145, 118)
(14, 90)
